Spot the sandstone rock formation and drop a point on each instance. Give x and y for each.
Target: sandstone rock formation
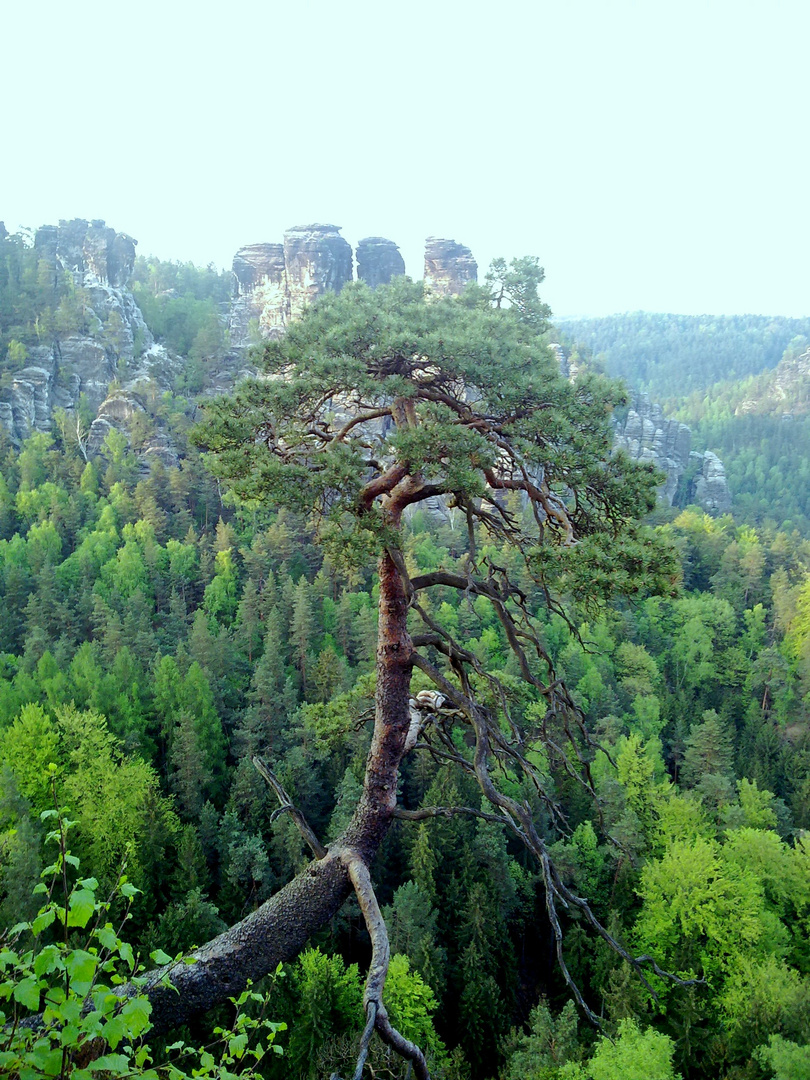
(569, 367)
(260, 282)
(785, 390)
(116, 344)
(317, 260)
(646, 434)
(273, 283)
(711, 487)
(378, 260)
(449, 267)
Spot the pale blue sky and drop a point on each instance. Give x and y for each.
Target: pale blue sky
(653, 154)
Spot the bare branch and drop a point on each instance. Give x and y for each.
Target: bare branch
(288, 807)
(424, 812)
(377, 972)
(363, 418)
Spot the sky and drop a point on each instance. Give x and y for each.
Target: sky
(652, 153)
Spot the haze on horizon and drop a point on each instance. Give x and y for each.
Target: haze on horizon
(651, 154)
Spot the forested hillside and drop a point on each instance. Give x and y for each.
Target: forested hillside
(742, 385)
(670, 355)
(158, 630)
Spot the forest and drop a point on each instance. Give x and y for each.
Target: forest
(639, 676)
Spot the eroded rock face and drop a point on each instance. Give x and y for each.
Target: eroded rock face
(711, 486)
(317, 260)
(647, 435)
(378, 260)
(116, 344)
(260, 280)
(89, 250)
(784, 390)
(274, 283)
(449, 267)
(569, 368)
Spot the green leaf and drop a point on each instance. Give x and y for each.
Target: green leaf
(44, 919)
(129, 890)
(82, 907)
(8, 957)
(237, 1045)
(107, 937)
(81, 966)
(117, 1064)
(160, 957)
(27, 993)
(114, 1031)
(48, 960)
(136, 1013)
(71, 860)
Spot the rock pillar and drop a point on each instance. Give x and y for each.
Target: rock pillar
(378, 260)
(449, 267)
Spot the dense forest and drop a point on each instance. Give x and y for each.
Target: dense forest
(671, 355)
(159, 630)
(741, 384)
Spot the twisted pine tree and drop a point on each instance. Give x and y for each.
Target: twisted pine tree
(373, 403)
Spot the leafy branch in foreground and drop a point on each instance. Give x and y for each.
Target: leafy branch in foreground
(71, 991)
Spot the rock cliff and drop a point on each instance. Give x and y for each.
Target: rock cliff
(317, 260)
(449, 267)
(273, 283)
(785, 390)
(111, 341)
(261, 299)
(378, 260)
(645, 434)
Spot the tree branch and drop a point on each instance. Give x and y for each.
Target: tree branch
(377, 972)
(424, 812)
(288, 807)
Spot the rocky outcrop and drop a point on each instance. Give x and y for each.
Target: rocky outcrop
(645, 434)
(92, 251)
(273, 283)
(317, 260)
(449, 267)
(378, 260)
(262, 300)
(569, 366)
(785, 391)
(710, 485)
(114, 344)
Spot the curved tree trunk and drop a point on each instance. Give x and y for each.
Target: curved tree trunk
(280, 928)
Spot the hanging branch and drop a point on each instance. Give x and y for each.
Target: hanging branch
(288, 807)
(376, 1013)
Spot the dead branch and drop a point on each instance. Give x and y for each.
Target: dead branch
(376, 1013)
(424, 812)
(518, 817)
(288, 807)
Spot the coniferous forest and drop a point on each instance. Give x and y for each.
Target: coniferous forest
(608, 744)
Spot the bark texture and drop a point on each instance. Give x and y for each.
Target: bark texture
(281, 927)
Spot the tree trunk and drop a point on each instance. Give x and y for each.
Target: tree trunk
(281, 927)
